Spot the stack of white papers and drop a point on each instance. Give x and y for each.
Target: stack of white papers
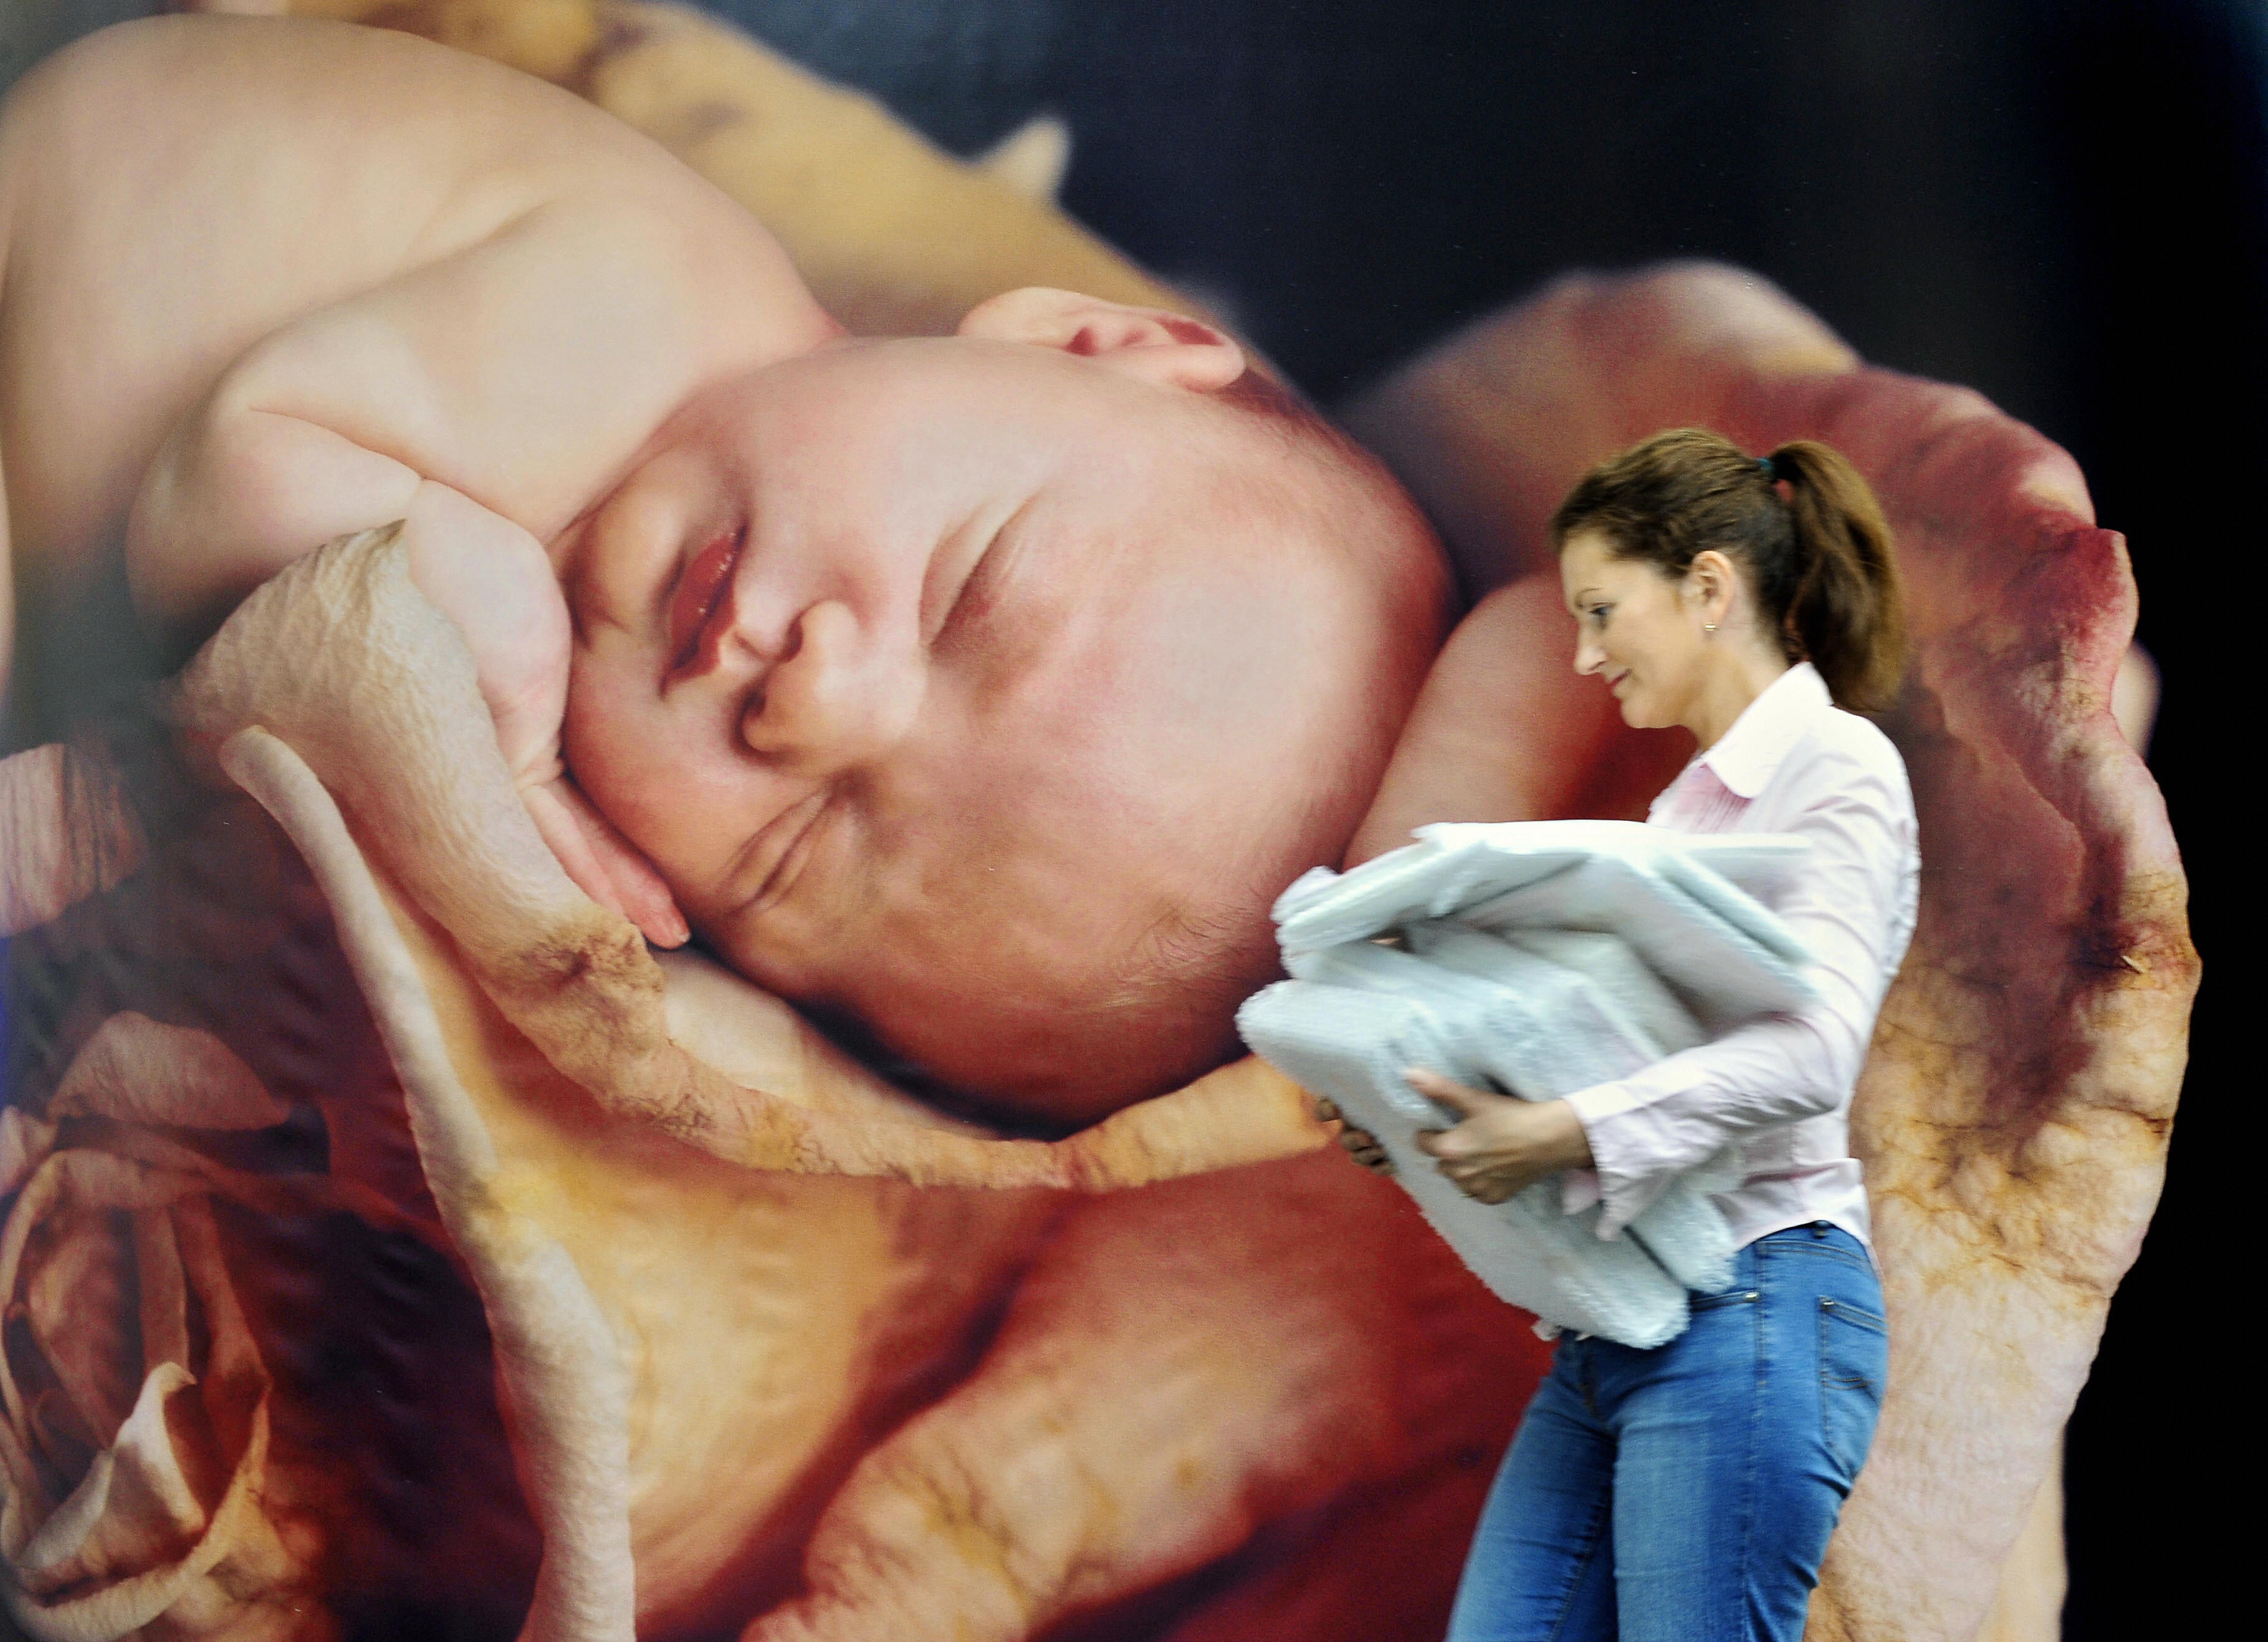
(1537, 958)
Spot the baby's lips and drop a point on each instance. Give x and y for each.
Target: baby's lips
(704, 595)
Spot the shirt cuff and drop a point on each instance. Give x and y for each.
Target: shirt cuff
(1628, 1178)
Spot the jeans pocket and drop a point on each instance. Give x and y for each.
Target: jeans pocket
(1854, 1358)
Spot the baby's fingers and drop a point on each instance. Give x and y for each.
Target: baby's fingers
(603, 864)
(1362, 1147)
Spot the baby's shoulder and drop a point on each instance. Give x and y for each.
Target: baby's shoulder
(286, 95)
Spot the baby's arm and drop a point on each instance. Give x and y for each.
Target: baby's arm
(1488, 739)
(515, 372)
(1486, 743)
(454, 398)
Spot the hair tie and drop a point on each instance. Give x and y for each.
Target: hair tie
(1772, 473)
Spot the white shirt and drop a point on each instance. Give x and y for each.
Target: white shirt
(1779, 1087)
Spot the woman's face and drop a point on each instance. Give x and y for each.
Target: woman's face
(1636, 628)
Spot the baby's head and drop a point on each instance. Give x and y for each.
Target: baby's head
(984, 690)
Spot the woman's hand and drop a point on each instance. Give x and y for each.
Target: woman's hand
(494, 582)
(1503, 1145)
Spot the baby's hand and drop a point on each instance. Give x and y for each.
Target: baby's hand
(1491, 737)
(492, 579)
(1358, 1144)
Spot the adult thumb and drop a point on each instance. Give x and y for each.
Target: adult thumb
(1466, 1103)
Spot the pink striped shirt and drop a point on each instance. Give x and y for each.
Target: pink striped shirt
(1778, 1088)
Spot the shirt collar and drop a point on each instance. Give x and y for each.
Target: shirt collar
(1748, 755)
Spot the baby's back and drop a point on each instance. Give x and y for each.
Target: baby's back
(175, 189)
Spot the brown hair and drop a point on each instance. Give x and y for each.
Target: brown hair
(1818, 559)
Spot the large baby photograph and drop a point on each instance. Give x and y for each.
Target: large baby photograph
(1020, 821)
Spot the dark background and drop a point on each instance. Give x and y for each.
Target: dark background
(2064, 206)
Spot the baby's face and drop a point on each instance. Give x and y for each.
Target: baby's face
(932, 678)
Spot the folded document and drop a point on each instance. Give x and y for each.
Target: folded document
(1539, 958)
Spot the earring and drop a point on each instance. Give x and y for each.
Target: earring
(1708, 627)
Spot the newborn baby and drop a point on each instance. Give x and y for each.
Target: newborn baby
(980, 690)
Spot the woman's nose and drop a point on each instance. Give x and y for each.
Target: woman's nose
(1589, 656)
(835, 699)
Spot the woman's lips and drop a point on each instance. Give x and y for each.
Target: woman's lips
(702, 590)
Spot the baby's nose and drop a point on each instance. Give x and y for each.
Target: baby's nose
(839, 698)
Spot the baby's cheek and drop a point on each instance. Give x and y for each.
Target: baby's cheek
(628, 764)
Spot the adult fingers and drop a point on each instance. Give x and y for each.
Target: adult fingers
(1461, 1097)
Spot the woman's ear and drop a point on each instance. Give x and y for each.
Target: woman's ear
(1714, 581)
(1171, 349)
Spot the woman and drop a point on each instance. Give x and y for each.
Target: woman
(1688, 1492)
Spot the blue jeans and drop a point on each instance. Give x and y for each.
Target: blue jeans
(1685, 1494)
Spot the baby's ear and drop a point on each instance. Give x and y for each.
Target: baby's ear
(1169, 349)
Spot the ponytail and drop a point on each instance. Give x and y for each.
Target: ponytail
(1818, 560)
(1843, 614)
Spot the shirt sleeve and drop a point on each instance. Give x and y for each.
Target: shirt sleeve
(1845, 903)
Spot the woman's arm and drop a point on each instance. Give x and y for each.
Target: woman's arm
(1851, 903)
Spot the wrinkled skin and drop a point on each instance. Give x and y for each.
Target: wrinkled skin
(1271, 1365)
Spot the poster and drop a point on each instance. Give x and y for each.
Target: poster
(1237, 153)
